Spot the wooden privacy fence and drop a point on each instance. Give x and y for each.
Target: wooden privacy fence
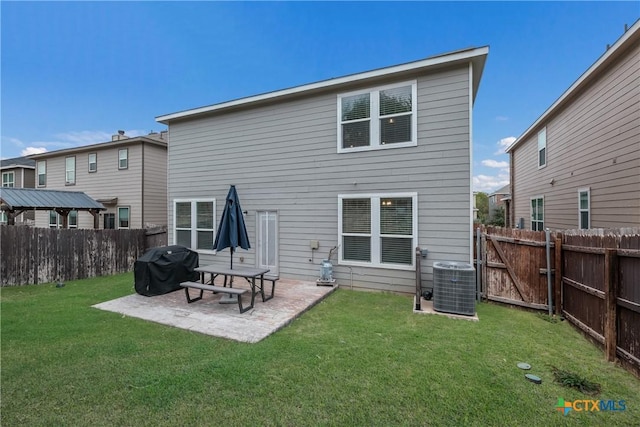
(601, 290)
(595, 280)
(42, 255)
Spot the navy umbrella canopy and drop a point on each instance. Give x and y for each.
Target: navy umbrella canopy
(232, 232)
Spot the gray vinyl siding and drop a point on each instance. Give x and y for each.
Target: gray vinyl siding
(155, 186)
(284, 157)
(593, 143)
(109, 181)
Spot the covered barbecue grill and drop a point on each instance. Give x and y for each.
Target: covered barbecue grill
(160, 270)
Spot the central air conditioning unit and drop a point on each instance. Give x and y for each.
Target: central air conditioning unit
(454, 288)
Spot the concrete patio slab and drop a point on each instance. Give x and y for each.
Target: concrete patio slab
(208, 316)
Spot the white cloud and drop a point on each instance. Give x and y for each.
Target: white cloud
(502, 118)
(489, 184)
(84, 137)
(495, 164)
(32, 150)
(503, 144)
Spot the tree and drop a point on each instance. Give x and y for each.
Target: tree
(498, 217)
(482, 204)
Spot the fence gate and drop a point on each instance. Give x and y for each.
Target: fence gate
(514, 267)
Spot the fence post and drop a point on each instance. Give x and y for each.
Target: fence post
(478, 265)
(610, 303)
(558, 275)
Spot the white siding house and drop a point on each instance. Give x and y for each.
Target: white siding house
(373, 164)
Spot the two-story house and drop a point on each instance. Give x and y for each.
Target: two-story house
(578, 165)
(128, 175)
(18, 172)
(363, 168)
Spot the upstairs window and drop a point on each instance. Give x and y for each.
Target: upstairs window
(42, 173)
(542, 148)
(8, 179)
(537, 214)
(70, 170)
(93, 162)
(123, 158)
(194, 223)
(379, 118)
(584, 208)
(378, 230)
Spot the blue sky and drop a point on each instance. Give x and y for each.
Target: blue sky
(73, 73)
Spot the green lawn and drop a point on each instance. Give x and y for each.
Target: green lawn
(357, 358)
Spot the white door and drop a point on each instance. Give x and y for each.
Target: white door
(268, 241)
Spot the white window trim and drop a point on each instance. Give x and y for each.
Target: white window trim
(13, 179)
(118, 217)
(58, 223)
(544, 218)
(194, 230)
(69, 219)
(546, 151)
(588, 210)
(374, 118)
(95, 163)
(44, 163)
(126, 151)
(375, 230)
(67, 170)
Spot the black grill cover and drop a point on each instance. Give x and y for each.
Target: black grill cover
(160, 270)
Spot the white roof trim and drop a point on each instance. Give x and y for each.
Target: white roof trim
(635, 28)
(462, 55)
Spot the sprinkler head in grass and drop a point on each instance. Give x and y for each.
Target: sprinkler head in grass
(533, 378)
(60, 285)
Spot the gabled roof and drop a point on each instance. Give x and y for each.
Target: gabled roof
(18, 162)
(628, 39)
(504, 190)
(31, 198)
(150, 139)
(477, 56)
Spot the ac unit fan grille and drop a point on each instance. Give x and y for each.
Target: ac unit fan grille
(454, 288)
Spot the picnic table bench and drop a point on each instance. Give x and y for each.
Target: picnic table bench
(203, 287)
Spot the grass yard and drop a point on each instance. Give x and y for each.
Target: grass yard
(355, 359)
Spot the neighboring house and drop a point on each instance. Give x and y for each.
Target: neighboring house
(497, 200)
(475, 206)
(18, 172)
(128, 175)
(578, 165)
(372, 164)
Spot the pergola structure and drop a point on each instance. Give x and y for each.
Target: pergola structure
(14, 201)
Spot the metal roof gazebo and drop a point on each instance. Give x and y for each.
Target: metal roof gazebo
(14, 201)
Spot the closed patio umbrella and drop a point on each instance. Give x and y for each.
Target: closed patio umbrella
(232, 232)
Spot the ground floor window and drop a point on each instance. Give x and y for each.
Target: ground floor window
(56, 220)
(123, 217)
(537, 213)
(378, 230)
(3, 217)
(109, 221)
(584, 208)
(194, 223)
